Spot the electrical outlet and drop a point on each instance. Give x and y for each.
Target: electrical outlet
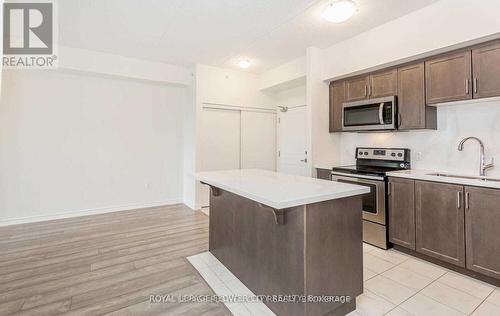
(418, 157)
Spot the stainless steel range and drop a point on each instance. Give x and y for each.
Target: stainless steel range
(370, 170)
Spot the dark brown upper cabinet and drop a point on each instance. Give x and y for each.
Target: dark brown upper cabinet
(383, 84)
(482, 222)
(439, 216)
(466, 74)
(356, 88)
(448, 78)
(376, 85)
(486, 70)
(402, 212)
(337, 90)
(413, 113)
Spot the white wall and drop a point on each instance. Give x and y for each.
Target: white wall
(229, 87)
(440, 25)
(324, 145)
(291, 97)
(82, 60)
(190, 132)
(1, 41)
(71, 143)
(284, 75)
(443, 25)
(218, 86)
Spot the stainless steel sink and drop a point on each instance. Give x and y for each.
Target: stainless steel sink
(439, 174)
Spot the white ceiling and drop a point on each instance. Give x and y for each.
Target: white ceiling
(215, 32)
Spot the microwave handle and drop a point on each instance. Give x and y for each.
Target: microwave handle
(381, 114)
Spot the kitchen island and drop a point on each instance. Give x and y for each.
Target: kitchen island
(289, 238)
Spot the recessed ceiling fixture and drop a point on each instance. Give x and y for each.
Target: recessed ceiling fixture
(339, 11)
(244, 63)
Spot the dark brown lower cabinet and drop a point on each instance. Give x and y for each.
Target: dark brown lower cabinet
(439, 215)
(482, 230)
(402, 212)
(325, 174)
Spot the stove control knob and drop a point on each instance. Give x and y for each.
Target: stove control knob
(366, 153)
(400, 155)
(361, 153)
(393, 155)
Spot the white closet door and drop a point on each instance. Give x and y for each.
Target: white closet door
(258, 140)
(219, 144)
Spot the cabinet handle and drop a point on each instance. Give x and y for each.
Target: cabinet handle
(474, 83)
(366, 91)
(466, 86)
(467, 200)
(459, 199)
(370, 90)
(389, 193)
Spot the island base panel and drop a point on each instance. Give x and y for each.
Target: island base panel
(313, 249)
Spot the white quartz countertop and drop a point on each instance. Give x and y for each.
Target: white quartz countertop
(325, 165)
(279, 190)
(425, 176)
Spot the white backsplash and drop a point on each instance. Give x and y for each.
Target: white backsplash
(437, 150)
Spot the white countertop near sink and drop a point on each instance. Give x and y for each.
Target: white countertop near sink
(425, 176)
(279, 190)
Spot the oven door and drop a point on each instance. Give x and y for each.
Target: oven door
(373, 202)
(375, 114)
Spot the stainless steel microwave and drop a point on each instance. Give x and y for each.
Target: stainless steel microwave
(370, 115)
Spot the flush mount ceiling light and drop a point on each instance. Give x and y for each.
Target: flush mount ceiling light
(244, 63)
(339, 11)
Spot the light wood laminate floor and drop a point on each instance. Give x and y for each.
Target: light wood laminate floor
(105, 264)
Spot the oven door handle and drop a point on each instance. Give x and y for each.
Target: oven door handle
(348, 176)
(356, 180)
(381, 113)
(378, 193)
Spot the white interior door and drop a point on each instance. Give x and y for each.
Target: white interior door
(292, 141)
(219, 144)
(258, 140)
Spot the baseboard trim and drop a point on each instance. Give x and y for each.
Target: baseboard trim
(94, 211)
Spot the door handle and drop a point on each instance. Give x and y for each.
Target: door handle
(304, 160)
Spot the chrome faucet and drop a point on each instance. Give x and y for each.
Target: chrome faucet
(482, 166)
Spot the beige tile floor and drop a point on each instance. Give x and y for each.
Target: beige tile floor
(395, 284)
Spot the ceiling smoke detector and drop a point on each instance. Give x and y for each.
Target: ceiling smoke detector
(339, 11)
